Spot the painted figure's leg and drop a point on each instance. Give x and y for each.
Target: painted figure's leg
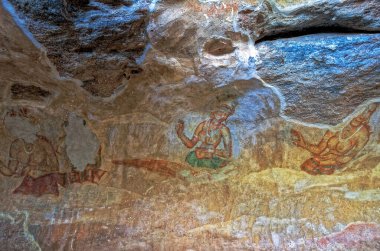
(46, 184)
(192, 159)
(314, 167)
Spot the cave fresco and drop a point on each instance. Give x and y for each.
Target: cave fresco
(152, 199)
(335, 150)
(356, 133)
(174, 170)
(33, 157)
(255, 105)
(210, 133)
(338, 147)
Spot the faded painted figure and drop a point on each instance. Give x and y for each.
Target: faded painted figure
(34, 158)
(37, 162)
(336, 149)
(210, 133)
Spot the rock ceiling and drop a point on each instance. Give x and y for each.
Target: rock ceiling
(190, 125)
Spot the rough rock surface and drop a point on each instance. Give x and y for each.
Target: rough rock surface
(287, 128)
(278, 17)
(97, 42)
(334, 72)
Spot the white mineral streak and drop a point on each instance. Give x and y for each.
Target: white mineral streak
(20, 23)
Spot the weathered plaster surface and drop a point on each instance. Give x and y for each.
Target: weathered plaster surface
(94, 120)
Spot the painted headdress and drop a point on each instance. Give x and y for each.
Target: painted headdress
(227, 108)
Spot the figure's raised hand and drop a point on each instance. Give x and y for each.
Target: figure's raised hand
(297, 138)
(180, 127)
(372, 107)
(4, 169)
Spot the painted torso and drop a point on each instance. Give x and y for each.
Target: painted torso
(210, 135)
(346, 145)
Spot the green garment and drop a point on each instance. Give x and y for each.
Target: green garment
(213, 163)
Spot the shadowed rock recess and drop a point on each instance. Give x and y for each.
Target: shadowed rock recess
(189, 125)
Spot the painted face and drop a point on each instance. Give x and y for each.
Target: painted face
(220, 116)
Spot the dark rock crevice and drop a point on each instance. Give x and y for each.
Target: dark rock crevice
(28, 92)
(314, 31)
(273, 18)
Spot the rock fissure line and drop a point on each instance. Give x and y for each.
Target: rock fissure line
(314, 31)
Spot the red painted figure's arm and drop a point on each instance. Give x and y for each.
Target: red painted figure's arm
(321, 146)
(314, 149)
(189, 143)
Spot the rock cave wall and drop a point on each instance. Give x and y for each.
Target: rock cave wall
(190, 125)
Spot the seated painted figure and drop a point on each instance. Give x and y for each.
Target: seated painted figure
(336, 149)
(210, 134)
